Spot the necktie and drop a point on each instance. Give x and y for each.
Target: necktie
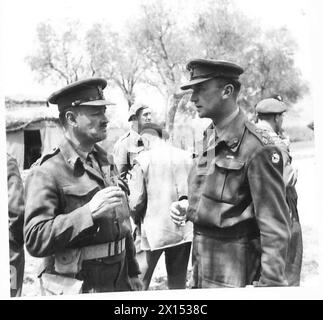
(92, 162)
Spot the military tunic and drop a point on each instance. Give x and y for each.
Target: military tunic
(237, 203)
(58, 190)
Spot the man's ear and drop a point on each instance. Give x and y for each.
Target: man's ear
(228, 91)
(70, 117)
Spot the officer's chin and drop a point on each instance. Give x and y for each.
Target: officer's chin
(101, 136)
(200, 113)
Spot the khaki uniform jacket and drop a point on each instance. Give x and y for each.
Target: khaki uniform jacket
(159, 178)
(58, 217)
(239, 178)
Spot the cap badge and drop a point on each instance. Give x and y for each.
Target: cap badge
(275, 158)
(100, 93)
(76, 102)
(191, 73)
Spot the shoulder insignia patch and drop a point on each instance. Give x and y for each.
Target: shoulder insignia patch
(275, 158)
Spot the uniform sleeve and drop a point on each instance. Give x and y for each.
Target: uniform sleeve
(138, 194)
(120, 156)
(265, 175)
(46, 228)
(16, 204)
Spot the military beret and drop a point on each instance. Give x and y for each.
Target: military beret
(270, 105)
(202, 70)
(154, 127)
(134, 109)
(88, 92)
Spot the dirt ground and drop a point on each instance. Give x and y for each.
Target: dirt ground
(304, 160)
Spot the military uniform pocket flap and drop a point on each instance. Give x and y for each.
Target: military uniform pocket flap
(229, 163)
(80, 189)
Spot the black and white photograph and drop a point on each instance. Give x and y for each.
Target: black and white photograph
(160, 146)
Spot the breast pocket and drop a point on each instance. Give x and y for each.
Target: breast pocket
(78, 195)
(225, 182)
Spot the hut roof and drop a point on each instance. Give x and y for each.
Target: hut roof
(20, 114)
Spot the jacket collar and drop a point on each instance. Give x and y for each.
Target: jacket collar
(73, 159)
(233, 132)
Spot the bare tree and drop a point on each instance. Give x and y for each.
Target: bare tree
(114, 57)
(163, 44)
(59, 55)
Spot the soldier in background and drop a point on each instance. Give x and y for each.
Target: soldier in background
(130, 144)
(77, 215)
(158, 178)
(270, 113)
(16, 209)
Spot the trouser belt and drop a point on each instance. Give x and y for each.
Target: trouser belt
(247, 228)
(104, 250)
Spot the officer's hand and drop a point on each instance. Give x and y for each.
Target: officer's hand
(136, 284)
(178, 211)
(104, 201)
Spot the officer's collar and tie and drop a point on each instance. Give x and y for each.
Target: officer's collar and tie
(97, 162)
(228, 131)
(90, 158)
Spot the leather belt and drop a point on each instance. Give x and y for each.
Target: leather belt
(104, 250)
(247, 228)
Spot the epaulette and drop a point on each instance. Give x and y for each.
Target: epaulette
(45, 157)
(261, 134)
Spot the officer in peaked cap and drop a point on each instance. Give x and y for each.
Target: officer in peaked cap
(202, 70)
(87, 92)
(77, 215)
(236, 194)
